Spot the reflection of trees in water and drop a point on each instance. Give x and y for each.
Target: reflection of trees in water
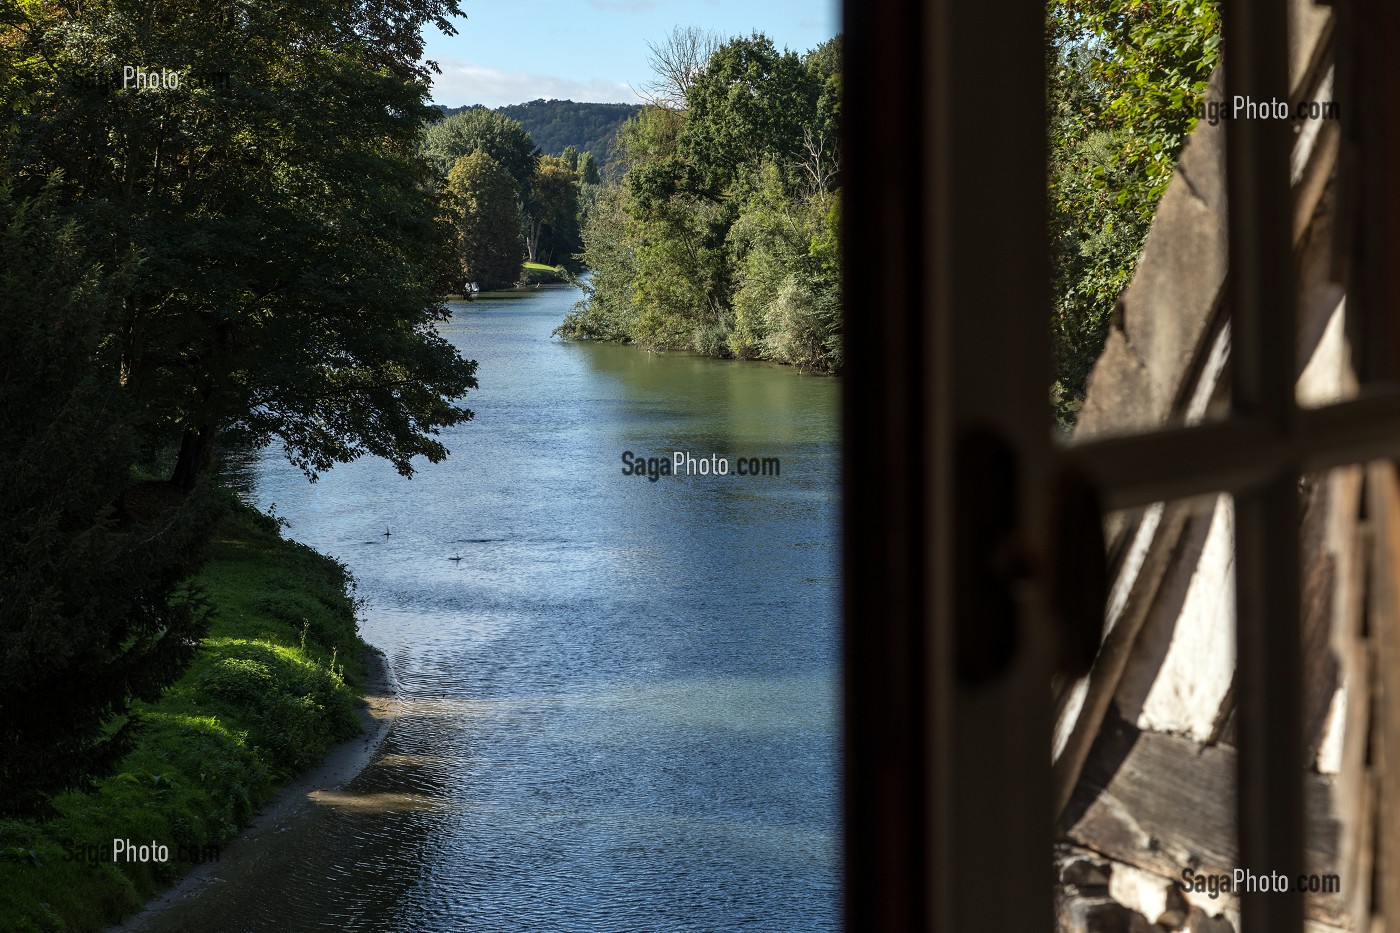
(235, 462)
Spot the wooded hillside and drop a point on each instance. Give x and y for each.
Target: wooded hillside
(559, 124)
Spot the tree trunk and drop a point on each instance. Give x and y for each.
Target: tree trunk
(196, 449)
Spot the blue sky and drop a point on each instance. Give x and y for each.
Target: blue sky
(595, 50)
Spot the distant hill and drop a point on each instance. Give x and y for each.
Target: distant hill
(558, 124)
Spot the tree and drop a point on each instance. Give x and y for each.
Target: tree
(608, 309)
(1136, 67)
(722, 237)
(821, 157)
(588, 169)
(676, 62)
(552, 234)
(481, 130)
(287, 251)
(12, 102)
(787, 273)
(260, 251)
(489, 245)
(91, 610)
(750, 102)
(682, 284)
(570, 157)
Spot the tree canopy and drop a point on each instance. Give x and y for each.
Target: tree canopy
(258, 251)
(553, 234)
(721, 236)
(484, 195)
(676, 62)
(555, 125)
(479, 130)
(289, 260)
(588, 169)
(749, 103)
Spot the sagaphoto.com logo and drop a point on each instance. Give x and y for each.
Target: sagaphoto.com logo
(1244, 107)
(147, 78)
(686, 463)
(142, 851)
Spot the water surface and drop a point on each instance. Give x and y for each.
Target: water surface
(621, 702)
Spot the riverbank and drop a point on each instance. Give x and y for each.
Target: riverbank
(802, 330)
(274, 688)
(264, 841)
(533, 275)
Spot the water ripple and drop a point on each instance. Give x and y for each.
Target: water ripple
(620, 704)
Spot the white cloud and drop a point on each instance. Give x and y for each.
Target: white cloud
(463, 82)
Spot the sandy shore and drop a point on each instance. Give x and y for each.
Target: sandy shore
(291, 804)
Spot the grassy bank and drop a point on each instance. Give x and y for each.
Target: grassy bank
(532, 275)
(274, 687)
(537, 273)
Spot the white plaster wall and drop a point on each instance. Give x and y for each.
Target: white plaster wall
(1196, 674)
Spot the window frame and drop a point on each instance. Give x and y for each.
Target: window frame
(948, 809)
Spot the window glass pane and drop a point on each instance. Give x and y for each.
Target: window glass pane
(1152, 808)
(619, 689)
(1138, 250)
(1150, 828)
(1346, 631)
(1139, 210)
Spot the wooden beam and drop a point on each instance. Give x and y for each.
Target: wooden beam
(1164, 804)
(1240, 453)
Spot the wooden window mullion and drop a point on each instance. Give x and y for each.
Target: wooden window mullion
(1261, 297)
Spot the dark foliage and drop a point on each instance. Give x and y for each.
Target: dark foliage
(480, 130)
(92, 613)
(490, 249)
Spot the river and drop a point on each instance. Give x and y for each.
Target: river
(621, 702)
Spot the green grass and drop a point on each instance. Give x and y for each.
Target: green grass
(535, 273)
(274, 686)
